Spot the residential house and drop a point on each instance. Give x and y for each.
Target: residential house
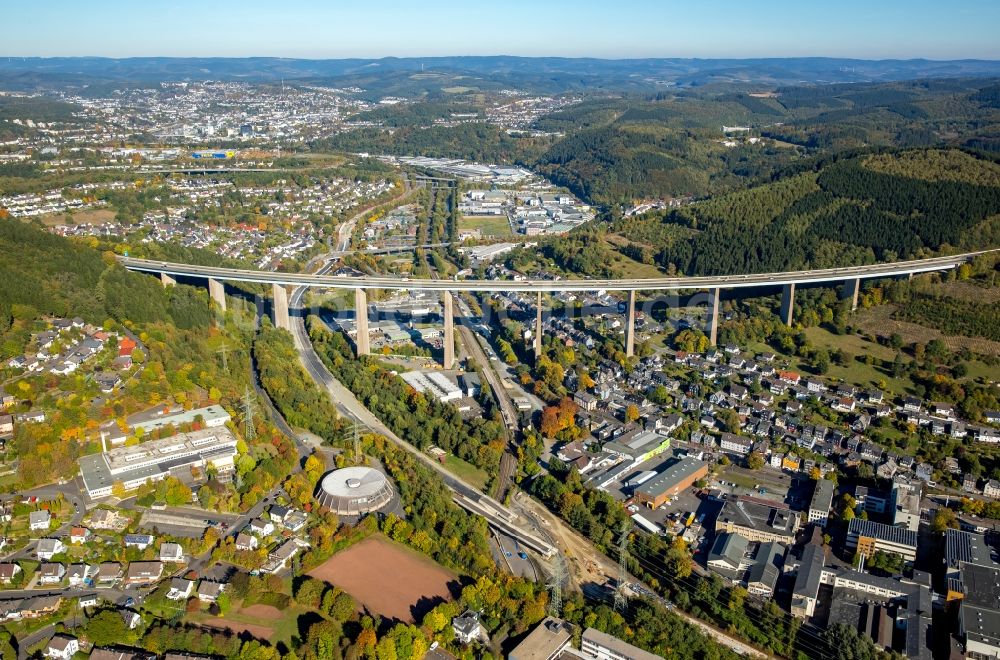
(261, 527)
(140, 541)
(992, 488)
(9, 571)
(180, 588)
(468, 628)
(208, 591)
(62, 647)
(48, 548)
(39, 520)
(79, 575)
(970, 483)
(109, 572)
(735, 444)
(171, 552)
(50, 573)
(131, 618)
(79, 535)
(246, 542)
(143, 573)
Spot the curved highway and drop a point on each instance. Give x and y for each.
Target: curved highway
(654, 284)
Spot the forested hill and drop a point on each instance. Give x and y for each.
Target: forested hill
(858, 210)
(617, 150)
(41, 273)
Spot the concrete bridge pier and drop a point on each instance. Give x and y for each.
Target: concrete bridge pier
(167, 280)
(361, 322)
(851, 290)
(217, 292)
(449, 329)
(538, 326)
(787, 303)
(280, 307)
(713, 316)
(630, 326)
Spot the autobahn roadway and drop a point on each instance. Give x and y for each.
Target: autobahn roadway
(349, 406)
(323, 280)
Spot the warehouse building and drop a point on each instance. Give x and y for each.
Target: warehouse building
(682, 474)
(638, 446)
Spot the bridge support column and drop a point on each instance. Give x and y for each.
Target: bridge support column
(449, 329)
(851, 290)
(787, 303)
(280, 307)
(217, 292)
(538, 326)
(361, 322)
(167, 280)
(630, 326)
(713, 316)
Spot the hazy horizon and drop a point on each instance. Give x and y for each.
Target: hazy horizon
(633, 29)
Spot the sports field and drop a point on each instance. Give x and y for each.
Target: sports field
(388, 578)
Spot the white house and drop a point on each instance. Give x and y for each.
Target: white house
(47, 548)
(39, 520)
(62, 647)
(171, 552)
(180, 588)
(261, 527)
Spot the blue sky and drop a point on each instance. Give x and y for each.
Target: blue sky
(935, 29)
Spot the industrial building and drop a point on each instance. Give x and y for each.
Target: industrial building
(157, 418)
(757, 520)
(157, 459)
(867, 537)
(638, 446)
(433, 383)
(354, 491)
(979, 614)
(658, 490)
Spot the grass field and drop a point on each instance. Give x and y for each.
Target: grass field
(388, 578)
(261, 621)
(496, 226)
(92, 216)
(878, 321)
(466, 471)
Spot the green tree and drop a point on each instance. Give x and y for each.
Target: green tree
(107, 628)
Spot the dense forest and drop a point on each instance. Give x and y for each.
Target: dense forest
(47, 274)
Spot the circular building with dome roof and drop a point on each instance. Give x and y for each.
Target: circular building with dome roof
(354, 491)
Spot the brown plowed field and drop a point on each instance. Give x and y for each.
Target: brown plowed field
(388, 579)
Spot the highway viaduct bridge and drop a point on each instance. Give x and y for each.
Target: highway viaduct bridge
(850, 277)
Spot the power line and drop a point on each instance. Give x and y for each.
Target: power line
(249, 428)
(224, 351)
(620, 595)
(557, 578)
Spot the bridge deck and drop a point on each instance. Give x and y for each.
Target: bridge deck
(654, 284)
